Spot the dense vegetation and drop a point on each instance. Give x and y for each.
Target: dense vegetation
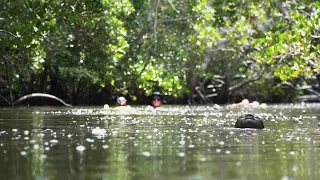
(197, 51)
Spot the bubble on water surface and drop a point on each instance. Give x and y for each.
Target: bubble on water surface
(288, 138)
(181, 154)
(105, 146)
(203, 159)
(98, 131)
(14, 130)
(146, 153)
(89, 140)
(291, 152)
(36, 146)
(54, 141)
(221, 143)
(286, 178)
(182, 142)
(80, 148)
(23, 153)
(294, 168)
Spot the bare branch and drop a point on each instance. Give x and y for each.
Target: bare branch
(173, 20)
(5, 99)
(310, 83)
(1, 30)
(150, 10)
(201, 95)
(173, 6)
(43, 95)
(285, 11)
(254, 78)
(155, 21)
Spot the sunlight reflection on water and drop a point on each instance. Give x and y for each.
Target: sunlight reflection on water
(178, 142)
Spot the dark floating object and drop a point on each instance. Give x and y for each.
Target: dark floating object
(249, 121)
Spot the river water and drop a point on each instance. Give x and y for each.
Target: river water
(179, 142)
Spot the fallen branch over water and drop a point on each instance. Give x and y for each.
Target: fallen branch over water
(33, 95)
(3, 98)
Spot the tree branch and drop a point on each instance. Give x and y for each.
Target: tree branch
(309, 82)
(155, 22)
(285, 11)
(236, 87)
(173, 6)
(150, 10)
(173, 20)
(1, 30)
(43, 95)
(5, 99)
(315, 36)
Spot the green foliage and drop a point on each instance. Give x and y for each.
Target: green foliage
(132, 46)
(292, 51)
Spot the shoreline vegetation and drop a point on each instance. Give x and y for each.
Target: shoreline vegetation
(192, 51)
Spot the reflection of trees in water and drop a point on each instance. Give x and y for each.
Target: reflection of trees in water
(159, 145)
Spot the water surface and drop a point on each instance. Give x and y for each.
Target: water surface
(180, 142)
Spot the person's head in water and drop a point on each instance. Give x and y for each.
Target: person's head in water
(156, 100)
(121, 101)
